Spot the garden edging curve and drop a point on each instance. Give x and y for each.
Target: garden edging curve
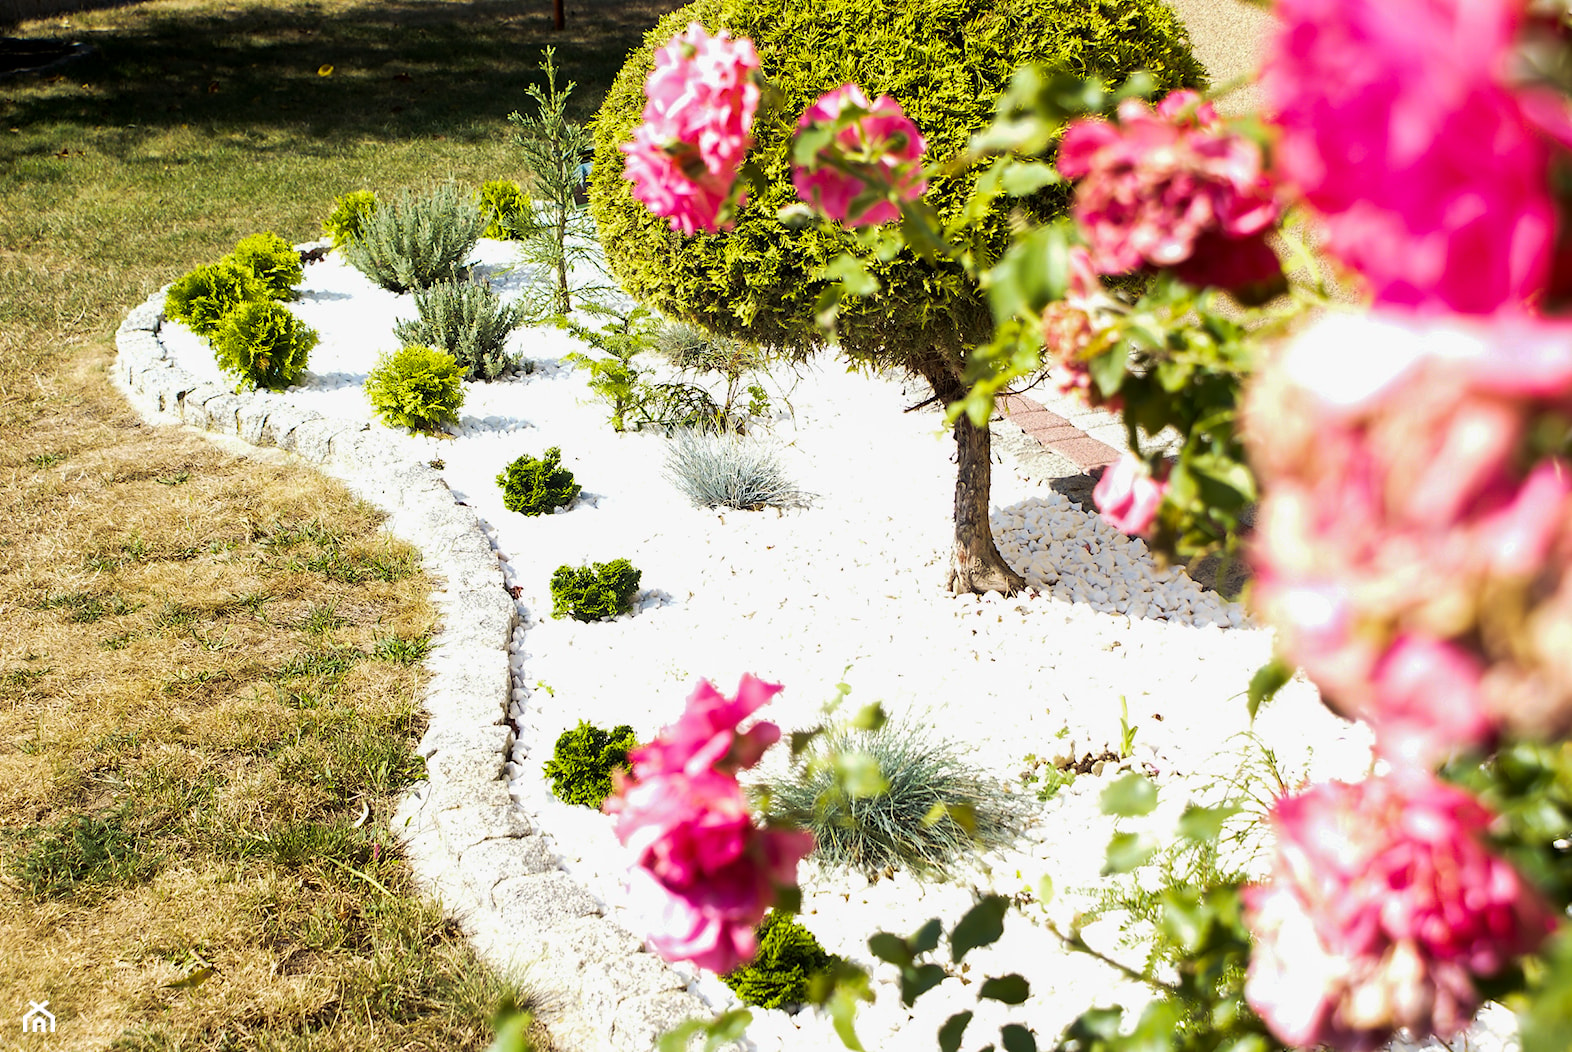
(470, 844)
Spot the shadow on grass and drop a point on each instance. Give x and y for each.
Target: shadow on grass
(333, 72)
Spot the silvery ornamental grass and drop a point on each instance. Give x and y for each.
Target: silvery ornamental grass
(730, 471)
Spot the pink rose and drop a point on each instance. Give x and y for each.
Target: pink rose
(701, 99)
(882, 147)
(1170, 187)
(1386, 109)
(1382, 907)
(706, 735)
(1427, 701)
(1127, 496)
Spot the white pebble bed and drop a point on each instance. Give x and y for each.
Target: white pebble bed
(846, 589)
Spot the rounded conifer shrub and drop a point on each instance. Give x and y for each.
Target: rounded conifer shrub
(204, 296)
(350, 210)
(274, 262)
(264, 345)
(787, 959)
(417, 387)
(946, 62)
(581, 764)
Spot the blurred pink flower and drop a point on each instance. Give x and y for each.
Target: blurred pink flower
(698, 118)
(1170, 186)
(1127, 496)
(883, 145)
(1427, 701)
(704, 873)
(1382, 906)
(706, 734)
(1399, 125)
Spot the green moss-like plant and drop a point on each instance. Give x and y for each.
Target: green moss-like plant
(596, 592)
(537, 485)
(417, 387)
(204, 296)
(274, 262)
(418, 240)
(507, 210)
(469, 321)
(580, 766)
(778, 975)
(350, 210)
(946, 62)
(264, 345)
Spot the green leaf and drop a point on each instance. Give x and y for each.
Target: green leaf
(1267, 681)
(1045, 890)
(1095, 1026)
(887, 946)
(1223, 480)
(1033, 273)
(1016, 1038)
(926, 938)
(1546, 1020)
(843, 1008)
(852, 273)
(982, 926)
(1012, 989)
(1127, 851)
(870, 717)
(1107, 369)
(921, 227)
(1204, 824)
(1130, 796)
(951, 1032)
(1018, 180)
(860, 775)
(917, 981)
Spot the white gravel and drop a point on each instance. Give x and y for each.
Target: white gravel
(845, 589)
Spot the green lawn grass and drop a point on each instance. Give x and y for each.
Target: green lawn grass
(209, 664)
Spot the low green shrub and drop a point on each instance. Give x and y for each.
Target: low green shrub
(787, 959)
(596, 592)
(418, 240)
(729, 471)
(263, 344)
(273, 260)
(348, 217)
(580, 766)
(469, 321)
(537, 485)
(506, 208)
(204, 296)
(417, 387)
(933, 814)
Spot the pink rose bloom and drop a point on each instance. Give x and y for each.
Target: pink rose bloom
(1399, 124)
(883, 147)
(1171, 187)
(1127, 496)
(706, 734)
(1428, 702)
(1382, 908)
(698, 119)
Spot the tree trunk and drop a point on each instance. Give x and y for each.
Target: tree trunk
(975, 562)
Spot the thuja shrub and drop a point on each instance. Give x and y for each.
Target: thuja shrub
(537, 485)
(729, 471)
(506, 208)
(204, 296)
(273, 260)
(788, 957)
(350, 210)
(263, 344)
(596, 592)
(469, 321)
(417, 240)
(420, 388)
(946, 63)
(580, 766)
(933, 814)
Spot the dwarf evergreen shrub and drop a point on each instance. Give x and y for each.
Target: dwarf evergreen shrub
(420, 388)
(263, 344)
(596, 592)
(729, 471)
(274, 262)
(934, 814)
(580, 766)
(418, 240)
(469, 321)
(788, 957)
(204, 296)
(537, 486)
(350, 210)
(506, 208)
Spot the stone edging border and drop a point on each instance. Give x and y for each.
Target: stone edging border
(594, 987)
(468, 840)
